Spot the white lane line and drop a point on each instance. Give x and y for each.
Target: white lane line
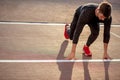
(48, 61)
(49, 24)
(42, 23)
(30, 23)
(115, 35)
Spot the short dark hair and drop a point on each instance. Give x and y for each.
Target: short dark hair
(105, 8)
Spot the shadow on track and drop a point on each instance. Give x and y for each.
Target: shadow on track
(106, 67)
(64, 67)
(86, 69)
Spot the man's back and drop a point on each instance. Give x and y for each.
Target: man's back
(87, 13)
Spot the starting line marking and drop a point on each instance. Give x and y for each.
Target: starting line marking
(34, 23)
(58, 61)
(41, 23)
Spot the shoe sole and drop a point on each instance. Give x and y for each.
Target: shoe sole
(86, 54)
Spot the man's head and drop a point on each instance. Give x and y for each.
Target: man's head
(104, 10)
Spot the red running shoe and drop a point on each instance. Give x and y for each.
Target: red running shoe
(66, 35)
(87, 51)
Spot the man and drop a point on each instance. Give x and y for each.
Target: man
(91, 14)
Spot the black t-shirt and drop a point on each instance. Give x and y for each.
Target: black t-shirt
(87, 15)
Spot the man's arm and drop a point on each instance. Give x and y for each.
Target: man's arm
(79, 27)
(105, 55)
(107, 27)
